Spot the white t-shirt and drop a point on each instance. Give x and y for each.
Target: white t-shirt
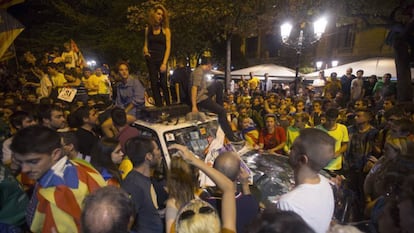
(45, 83)
(357, 89)
(7, 153)
(313, 202)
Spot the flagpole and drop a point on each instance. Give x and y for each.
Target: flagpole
(15, 57)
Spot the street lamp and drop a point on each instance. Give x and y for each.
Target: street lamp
(319, 65)
(319, 27)
(299, 42)
(91, 63)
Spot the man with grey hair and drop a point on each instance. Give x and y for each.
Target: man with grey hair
(346, 80)
(108, 210)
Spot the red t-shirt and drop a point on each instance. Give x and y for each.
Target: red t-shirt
(271, 140)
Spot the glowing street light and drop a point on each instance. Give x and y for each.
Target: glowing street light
(285, 30)
(319, 65)
(91, 63)
(319, 27)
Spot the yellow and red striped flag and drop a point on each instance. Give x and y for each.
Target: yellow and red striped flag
(59, 196)
(81, 62)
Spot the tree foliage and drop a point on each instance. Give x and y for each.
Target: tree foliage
(398, 17)
(113, 30)
(99, 27)
(202, 24)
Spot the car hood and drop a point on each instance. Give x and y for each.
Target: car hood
(272, 175)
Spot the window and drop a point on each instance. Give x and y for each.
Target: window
(345, 38)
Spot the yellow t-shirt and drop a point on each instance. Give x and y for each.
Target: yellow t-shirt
(125, 167)
(254, 82)
(89, 84)
(58, 81)
(340, 133)
(102, 82)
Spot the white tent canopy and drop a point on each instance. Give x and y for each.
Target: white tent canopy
(274, 71)
(378, 66)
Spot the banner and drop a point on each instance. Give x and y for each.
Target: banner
(9, 54)
(81, 62)
(10, 28)
(4, 4)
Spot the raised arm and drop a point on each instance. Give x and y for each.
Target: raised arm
(228, 209)
(267, 107)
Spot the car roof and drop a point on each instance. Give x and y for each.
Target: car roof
(172, 124)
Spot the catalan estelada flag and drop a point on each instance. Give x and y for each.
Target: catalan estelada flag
(9, 54)
(4, 4)
(10, 28)
(81, 62)
(57, 199)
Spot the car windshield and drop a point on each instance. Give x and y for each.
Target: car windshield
(196, 137)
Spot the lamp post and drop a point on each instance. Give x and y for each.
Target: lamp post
(299, 43)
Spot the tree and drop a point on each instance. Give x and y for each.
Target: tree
(398, 17)
(113, 30)
(203, 24)
(99, 27)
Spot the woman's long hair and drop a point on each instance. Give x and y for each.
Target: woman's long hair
(181, 183)
(165, 20)
(101, 157)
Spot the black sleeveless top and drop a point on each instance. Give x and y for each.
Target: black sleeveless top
(156, 44)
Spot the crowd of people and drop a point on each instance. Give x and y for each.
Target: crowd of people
(362, 115)
(71, 161)
(62, 152)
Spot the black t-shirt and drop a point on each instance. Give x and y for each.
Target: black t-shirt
(156, 44)
(182, 78)
(139, 187)
(86, 140)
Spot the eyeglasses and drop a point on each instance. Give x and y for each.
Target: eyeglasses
(190, 213)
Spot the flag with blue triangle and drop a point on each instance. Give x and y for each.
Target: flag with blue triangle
(10, 28)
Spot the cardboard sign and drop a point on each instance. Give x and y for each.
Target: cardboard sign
(67, 94)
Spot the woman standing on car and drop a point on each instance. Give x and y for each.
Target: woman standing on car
(157, 48)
